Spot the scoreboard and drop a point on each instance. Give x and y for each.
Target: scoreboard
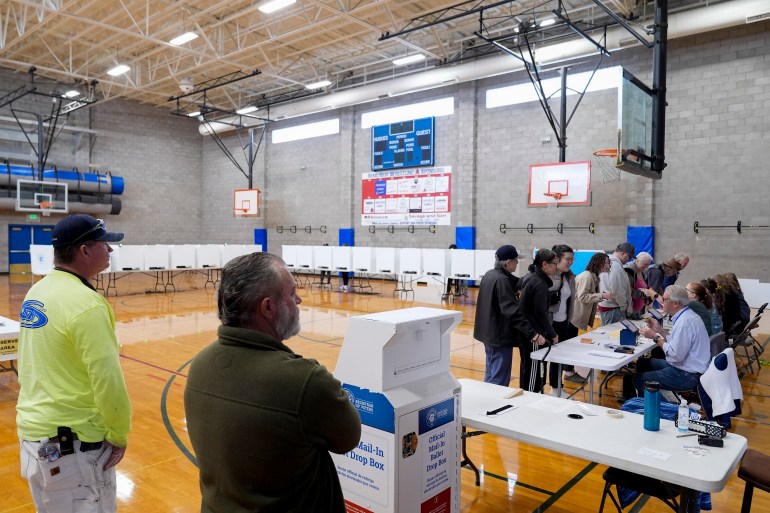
(402, 144)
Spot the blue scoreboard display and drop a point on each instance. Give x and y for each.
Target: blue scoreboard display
(402, 144)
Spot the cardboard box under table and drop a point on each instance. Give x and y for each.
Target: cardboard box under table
(395, 368)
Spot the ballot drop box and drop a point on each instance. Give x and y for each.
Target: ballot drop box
(394, 366)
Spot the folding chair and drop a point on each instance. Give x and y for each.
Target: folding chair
(642, 484)
(746, 341)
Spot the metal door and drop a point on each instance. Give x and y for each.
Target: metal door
(20, 237)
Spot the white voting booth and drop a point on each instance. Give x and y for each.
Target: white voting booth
(394, 366)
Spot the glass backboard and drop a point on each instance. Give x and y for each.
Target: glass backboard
(45, 197)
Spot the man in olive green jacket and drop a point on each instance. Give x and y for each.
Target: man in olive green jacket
(261, 418)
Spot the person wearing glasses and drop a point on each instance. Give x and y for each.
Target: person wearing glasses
(563, 292)
(635, 271)
(686, 348)
(616, 280)
(535, 303)
(72, 391)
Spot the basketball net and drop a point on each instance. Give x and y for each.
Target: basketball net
(610, 161)
(45, 208)
(240, 212)
(552, 199)
(607, 160)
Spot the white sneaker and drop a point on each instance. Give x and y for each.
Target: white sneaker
(669, 396)
(555, 393)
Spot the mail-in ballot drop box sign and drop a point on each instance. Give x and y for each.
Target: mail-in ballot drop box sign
(394, 367)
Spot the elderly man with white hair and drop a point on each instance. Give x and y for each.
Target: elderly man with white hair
(686, 347)
(635, 271)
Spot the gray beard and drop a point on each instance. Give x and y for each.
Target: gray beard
(287, 325)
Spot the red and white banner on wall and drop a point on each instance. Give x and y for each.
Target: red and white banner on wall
(420, 196)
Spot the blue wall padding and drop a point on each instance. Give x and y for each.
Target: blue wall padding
(347, 236)
(643, 238)
(75, 180)
(260, 237)
(465, 237)
(582, 256)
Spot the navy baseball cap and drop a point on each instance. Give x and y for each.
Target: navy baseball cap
(79, 229)
(506, 252)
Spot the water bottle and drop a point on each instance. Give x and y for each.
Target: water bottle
(48, 451)
(683, 417)
(652, 406)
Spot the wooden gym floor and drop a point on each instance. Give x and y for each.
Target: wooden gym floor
(160, 333)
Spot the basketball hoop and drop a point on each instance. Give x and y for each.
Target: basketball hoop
(553, 199)
(45, 208)
(609, 162)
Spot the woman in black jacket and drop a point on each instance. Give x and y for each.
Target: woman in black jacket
(535, 302)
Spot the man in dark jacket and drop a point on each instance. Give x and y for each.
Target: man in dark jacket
(500, 325)
(261, 418)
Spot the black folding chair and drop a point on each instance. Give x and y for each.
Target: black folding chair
(745, 340)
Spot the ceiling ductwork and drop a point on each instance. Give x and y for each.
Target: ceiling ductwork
(696, 21)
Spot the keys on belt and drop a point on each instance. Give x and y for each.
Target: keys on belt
(64, 440)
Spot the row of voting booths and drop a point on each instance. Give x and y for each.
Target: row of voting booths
(467, 264)
(161, 260)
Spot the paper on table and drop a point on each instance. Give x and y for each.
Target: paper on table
(652, 453)
(552, 405)
(607, 354)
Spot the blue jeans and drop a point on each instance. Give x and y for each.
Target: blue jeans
(611, 316)
(669, 377)
(499, 362)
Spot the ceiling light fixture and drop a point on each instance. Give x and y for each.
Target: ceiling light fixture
(409, 59)
(547, 22)
(72, 93)
(273, 6)
(247, 110)
(318, 85)
(194, 114)
(184, 38)
(118, 70)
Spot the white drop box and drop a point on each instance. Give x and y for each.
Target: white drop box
(394, 367)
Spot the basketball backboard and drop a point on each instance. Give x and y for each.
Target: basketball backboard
(635, 127)
(246, 203)
(45, 197)
(566, 183)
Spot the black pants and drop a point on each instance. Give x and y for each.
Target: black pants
(566, 331)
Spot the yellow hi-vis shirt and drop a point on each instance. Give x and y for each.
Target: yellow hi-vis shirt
(69, 364)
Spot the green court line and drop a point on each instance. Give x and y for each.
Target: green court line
(518, 483)
(552, 496)
(640, 504)
(167, 421)
(564, 489)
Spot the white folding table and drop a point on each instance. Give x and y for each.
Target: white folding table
(594, 350)
(542, 420)
(9, 343)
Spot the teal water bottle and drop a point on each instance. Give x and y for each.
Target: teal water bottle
(652, 406)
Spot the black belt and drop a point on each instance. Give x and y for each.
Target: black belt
(84, 446)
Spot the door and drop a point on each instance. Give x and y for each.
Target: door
(20, 237)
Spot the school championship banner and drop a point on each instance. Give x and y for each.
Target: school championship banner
(420, 196)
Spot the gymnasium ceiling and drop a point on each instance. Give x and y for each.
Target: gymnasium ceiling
(77, 41)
